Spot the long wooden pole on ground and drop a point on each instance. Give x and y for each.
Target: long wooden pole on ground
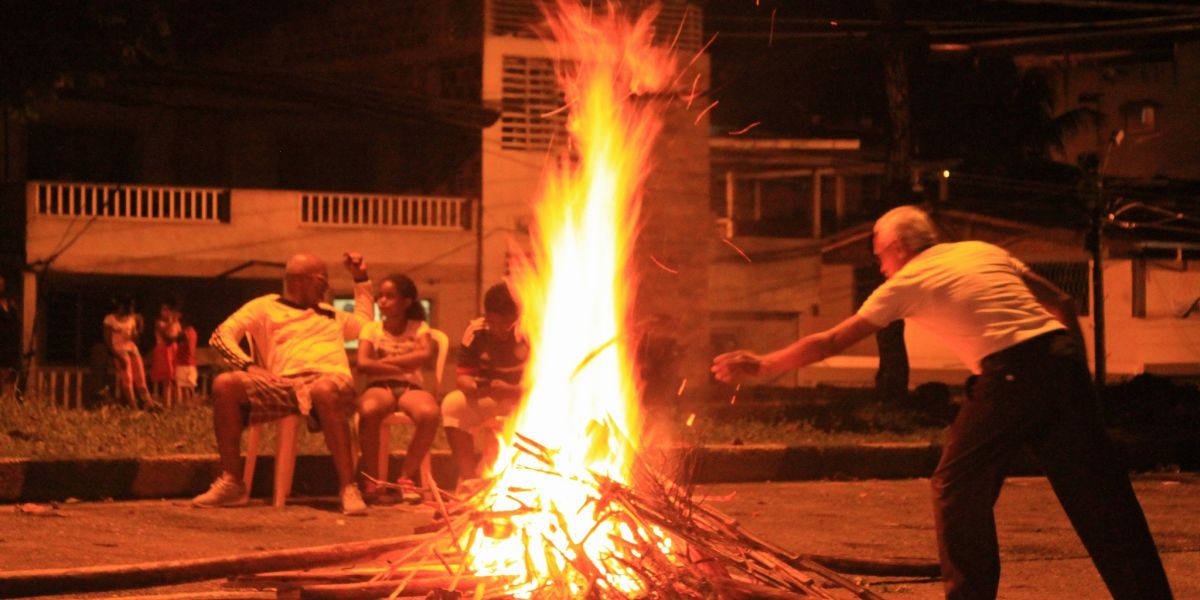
(41, 582)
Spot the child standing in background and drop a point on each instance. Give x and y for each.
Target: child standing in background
(162, 358)
(185, 360)
(122, 327)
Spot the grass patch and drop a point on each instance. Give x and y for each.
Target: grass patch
(1146, 408)
(36, 430)
(740, 432)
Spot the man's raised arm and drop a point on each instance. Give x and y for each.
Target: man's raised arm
(364, 295)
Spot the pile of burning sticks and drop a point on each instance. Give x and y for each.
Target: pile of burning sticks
(711, 555)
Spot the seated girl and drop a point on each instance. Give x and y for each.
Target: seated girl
(390, 355)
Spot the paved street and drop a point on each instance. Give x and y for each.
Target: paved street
(875, 519)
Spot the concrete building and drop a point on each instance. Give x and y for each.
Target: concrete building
(414, 132)
(1147, 94)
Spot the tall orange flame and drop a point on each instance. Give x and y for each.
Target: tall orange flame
(576, 292)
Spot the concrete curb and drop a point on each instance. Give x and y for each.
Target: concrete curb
(181, 476)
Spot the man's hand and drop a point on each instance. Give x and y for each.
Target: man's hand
(356, 265)
(736, 366)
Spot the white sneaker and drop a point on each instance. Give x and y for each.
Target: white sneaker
(223, 492)
(352, 502)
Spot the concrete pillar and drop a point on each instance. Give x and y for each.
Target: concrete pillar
(839, 200)
(29, 302)
(730, 191)
(1138, 287)
(757, 199)
(816, 204)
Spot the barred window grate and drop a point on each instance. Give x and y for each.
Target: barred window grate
(530, 93)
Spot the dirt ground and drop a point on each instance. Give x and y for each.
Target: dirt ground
(1041, 556)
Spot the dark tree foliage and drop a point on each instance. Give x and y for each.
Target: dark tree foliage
(54, 45)
(991, 114)
(51, 46)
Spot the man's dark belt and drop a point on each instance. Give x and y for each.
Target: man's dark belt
(996, 359)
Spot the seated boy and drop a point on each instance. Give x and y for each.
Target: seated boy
(491, 362)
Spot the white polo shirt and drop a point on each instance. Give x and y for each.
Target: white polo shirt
(970, 294)
(290, 340)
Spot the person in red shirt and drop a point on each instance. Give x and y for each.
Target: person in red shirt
(185, 360)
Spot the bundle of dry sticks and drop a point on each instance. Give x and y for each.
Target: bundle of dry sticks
(711, 555)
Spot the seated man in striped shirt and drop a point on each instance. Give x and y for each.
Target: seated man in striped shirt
(300, 366)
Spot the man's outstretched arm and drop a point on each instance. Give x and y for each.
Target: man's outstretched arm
(743, 364)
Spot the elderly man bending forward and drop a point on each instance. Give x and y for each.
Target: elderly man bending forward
(1019, 334)
(299, 366)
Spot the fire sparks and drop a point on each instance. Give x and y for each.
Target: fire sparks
(705, 111)
(575, 427)
(740, 252)
(746, 128)
(659, 264)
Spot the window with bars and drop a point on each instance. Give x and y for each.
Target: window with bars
(530, 94)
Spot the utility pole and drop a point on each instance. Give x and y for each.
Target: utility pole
(1096, 246)
(891, 380)
(1099, 214)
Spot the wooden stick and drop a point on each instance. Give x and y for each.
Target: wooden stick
(39, 582)
(744, 590)
(294, 579)
(883, 567)
(840, 579)
(380, 589)
(236, 595)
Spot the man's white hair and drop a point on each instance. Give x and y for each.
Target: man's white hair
(908, 224)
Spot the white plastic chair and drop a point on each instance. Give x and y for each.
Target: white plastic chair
(400, 418)
(286, 433)
(287, 436)
(288, 429)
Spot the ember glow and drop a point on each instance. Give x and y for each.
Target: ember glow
(579, 421)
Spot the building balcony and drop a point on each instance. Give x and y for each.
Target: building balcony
(192, 231)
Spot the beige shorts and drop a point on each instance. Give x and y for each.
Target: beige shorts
(272, 397)
(472, 416)
(185, 376)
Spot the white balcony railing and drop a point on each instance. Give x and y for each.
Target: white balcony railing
(101, 200)
(213, 205)
(370, 210)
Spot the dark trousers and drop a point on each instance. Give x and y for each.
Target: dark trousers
(1039, 394)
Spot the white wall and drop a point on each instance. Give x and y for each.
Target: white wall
(1162, 342)
(265, 226)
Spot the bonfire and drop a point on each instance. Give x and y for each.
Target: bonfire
(573, 508)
